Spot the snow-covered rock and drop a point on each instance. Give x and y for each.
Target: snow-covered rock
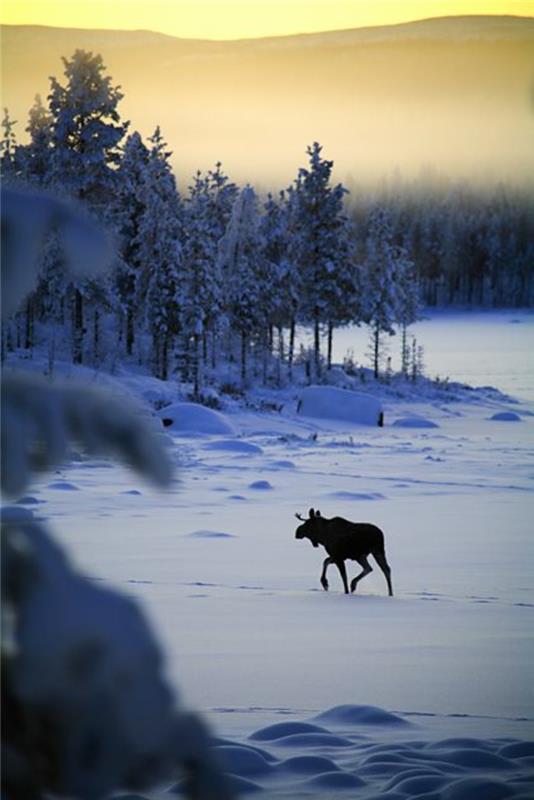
(329, 402)
(505, 416)
(415, 422)
(194, 418)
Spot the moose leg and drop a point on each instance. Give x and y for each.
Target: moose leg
(380, 559)
(324, 582)
(343, 572)
(366, 569)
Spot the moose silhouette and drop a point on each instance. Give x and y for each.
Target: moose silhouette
(344, 540)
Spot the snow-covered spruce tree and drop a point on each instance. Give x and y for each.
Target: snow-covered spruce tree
(319, 243)
(129, 206)
(244, 272)
(201, 280)
(380, 288)
(408, 301)
(160, 251)
(222, 195)
(85, 137)
(8, 149)
(283, 280)
(35, 156)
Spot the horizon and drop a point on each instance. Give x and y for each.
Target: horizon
(257, 19)
(260, 38)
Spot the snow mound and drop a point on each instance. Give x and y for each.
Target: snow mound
(63, 486)
(420, 785)
(261, 486)
(308, 765)
(360, 715)
(476, 789)
(476, 758)
(204, 534)
(414, 422)
(313, 740)
(280, 729)
(28, 500)
(336, 780)
(505, 416)
(517, 750)
(243, 761)
(328, 402)
(235, 446)
(194, 418)
(342, 495)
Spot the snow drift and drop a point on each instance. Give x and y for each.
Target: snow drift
(328, 402)
(194, 418)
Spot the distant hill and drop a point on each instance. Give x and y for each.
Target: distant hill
(455, 93)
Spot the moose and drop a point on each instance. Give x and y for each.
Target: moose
(343, 540)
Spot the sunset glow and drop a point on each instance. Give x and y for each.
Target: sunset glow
(219, 19)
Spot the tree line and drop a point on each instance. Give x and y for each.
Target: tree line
(216, 273)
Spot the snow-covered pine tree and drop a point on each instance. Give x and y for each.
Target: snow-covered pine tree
(319, 244)
(380, 290)
(131, 279)
(201, 289)
(8, 148)
(283, 277)
(408, 300)
(85, 136)
(243, 267)
(160, 250)
(35, 156)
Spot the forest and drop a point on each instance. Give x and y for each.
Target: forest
(215, 274)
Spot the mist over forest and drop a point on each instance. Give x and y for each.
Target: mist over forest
(453, 96)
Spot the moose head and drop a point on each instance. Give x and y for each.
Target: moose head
(310, 528)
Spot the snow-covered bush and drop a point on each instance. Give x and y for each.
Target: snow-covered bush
(86, 710)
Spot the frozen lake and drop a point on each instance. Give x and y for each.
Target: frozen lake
(481, 348)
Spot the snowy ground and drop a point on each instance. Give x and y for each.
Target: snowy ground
(253, 640)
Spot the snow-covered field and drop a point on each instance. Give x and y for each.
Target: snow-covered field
(253, 640)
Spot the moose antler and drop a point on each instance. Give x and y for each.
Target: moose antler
(298, 516)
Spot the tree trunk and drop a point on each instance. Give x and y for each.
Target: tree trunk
(291, 352)
(77, 328)
(96, 336)
(271, 338)
(28, 337)
(165, 357)
(330, 340)
(316, 344)
(243, 357)
(404, 350)
(376, 349)
(280, 359)
(213, 349)
(196, 363)
(130, 332)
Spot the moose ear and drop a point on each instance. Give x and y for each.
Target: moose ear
(312, 513)
(317, 513)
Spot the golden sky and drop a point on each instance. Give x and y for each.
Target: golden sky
(219, 19)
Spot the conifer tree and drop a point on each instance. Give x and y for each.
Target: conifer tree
(35, 156)
(130, 206)
(379, 282)
(320, 243)
(159, 248)
(244, 269)
(8, 148)
(85, 136)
